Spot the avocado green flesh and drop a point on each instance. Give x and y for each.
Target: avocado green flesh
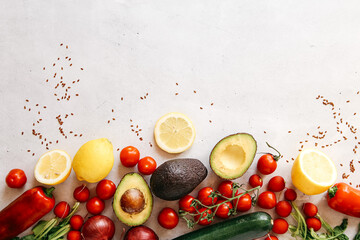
(133, 181)
(233, 155)
(245, 227)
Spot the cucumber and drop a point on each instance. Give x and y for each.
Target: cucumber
(245, 227)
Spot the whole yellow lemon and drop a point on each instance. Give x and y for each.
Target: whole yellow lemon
(94, 160)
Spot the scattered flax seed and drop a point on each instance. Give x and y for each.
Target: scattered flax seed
(210, 121)
(141, 139)
(33, 154)
(81, 69)
(80, 135)
(43, 68)
(212, 104)
(194, 91)
(265, 132)
(341, 165)
(70, 64)
(118, 149)
(344, 176)
(347, 101)
(113, 119)
(352, 168)
(201, 108)
(28, 150)
(22, 133)
(61, 44)
(289, 131)
(108, 121)
(150, 144)
(67, 46)
(177, 84)
(112, 110)
(77, 95)
(176, 93)
(54, 65)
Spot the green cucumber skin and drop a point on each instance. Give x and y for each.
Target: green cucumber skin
(245, 227)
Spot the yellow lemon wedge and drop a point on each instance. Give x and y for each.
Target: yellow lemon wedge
(53, 167)
(313, 172)
(174, 132)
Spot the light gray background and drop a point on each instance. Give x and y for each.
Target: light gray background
(262, 64)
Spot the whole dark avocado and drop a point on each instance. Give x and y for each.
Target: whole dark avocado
(176, 178)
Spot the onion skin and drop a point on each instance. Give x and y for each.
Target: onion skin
(98, 228)
(141, 233)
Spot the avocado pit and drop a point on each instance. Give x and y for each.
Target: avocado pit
(132, 201)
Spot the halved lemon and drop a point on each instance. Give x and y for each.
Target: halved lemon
(313, 172)
(53, 167)
(174, 132)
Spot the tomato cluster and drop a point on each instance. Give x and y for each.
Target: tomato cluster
(222, 203)
(130, 156)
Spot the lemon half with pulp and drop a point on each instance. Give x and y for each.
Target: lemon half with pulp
(313, 172)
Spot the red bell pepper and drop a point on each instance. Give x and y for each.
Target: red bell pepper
(25, 211)
(345, 199)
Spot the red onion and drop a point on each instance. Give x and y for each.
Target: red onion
(98, 228)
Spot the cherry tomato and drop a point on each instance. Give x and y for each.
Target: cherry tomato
(62, 209)
(267, 164)
(224, 209)
(95, 206)
(283, 208)
(76, 222)
(255, 180)
(204, 212)
(313, 223)
(267, 200)
(290, 194)
(244, 203)
(276, 184)
(204, 198)
(185, 204)
(168, 218)
(16, 178)
(81, 193)
(129, 156)
(105, 189)
(310, 209)
(147, 165)
(74, 235)
(280, 226)
(271, 237)
(226, 188)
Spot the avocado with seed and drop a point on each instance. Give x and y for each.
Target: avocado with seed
(232, 156)
(133, 200)
(176, 178)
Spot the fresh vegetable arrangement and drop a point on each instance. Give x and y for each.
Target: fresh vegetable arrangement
(132, 199)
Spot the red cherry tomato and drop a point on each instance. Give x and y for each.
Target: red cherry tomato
(16, 178)
(313, 223)
(226, 188)
(147, 165)
(105, 189)
(255, 180)
(224, 209)
(290, 194)
(95, 206)
(283, 208)
(280, 226)
(244, 203)
(267, 164)
(74, 235)
(168, 218)
(310, 209)
(202, 217)
(271, 237)
(185, 204)
(204, 198)
(76, 222)
(267, 200)
(81, 193)
(129, 156)
(62, 209)
(276, 184)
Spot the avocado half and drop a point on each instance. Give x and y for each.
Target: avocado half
(133, 201)
(232, 156)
